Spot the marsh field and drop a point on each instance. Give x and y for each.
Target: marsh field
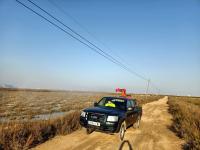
(44, 104)
(29, 117)
(36, 104)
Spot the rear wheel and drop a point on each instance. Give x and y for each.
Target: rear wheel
(137, 123)
(122, 131)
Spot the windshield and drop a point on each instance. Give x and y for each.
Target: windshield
(113, 102)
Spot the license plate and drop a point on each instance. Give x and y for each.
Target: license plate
(94, 123)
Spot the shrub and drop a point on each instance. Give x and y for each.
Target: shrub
(24, 135)
(186, 120)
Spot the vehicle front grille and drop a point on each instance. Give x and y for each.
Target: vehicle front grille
(97, 117)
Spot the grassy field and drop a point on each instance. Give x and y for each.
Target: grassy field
(30, 117)
(186, 119)
(25, 104)
(28, 104)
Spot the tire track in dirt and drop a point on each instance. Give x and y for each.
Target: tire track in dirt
(153, 134)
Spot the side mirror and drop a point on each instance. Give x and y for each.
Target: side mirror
(95, 104)
(130, 108)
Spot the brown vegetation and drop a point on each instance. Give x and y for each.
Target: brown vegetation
(23, 135)
(143, 99)
(186, 119)
(18, 104)
(22, 104)
(19, 129)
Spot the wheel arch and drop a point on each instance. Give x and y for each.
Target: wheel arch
(121, 120)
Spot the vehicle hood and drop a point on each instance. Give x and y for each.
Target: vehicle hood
(105, 110)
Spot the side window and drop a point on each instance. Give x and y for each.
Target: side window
(129, 104)
(133, 103)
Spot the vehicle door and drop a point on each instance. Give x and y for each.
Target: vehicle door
(130, 113)
(135, 110)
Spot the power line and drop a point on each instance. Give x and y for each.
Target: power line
(83, 38)
(77, 22)
(128, 69)
(102, 53)
(91, 34)
(64, 30)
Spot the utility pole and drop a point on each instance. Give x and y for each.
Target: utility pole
(148, 82)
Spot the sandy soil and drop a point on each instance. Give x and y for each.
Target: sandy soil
(153, 134)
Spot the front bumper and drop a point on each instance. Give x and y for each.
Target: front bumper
(109, 127)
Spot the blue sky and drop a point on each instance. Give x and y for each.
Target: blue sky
(158, 39)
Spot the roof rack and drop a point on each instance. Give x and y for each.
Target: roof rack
(123, 92)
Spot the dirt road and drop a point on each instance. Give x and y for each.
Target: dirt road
(153, 134)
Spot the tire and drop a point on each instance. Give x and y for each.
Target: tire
(122, 131)
(89, 130)
(137, 123)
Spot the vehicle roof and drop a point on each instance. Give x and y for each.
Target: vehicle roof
(124, 98)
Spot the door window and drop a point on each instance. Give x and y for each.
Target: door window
(133, 103)
(129, 104)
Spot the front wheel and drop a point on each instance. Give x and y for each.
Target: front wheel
(122, 131)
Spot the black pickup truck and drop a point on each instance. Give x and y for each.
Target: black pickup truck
(111, 115)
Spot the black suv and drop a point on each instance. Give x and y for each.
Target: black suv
(111, 115)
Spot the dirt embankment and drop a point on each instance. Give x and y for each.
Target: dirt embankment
(153, 134)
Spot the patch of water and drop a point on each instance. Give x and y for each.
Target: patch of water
(41, 117)
(50, 115)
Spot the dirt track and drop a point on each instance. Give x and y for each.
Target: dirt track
(153, 134)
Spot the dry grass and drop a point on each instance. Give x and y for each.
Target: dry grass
(143, 99)
(22, 104)
(19, 107)
(26, 104)
(186, 119)
(24, 135)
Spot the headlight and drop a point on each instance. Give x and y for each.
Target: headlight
(83, 113)
(112, 118)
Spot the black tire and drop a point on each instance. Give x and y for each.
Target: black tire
(89, 130)
(122, 131)
(137, 123)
